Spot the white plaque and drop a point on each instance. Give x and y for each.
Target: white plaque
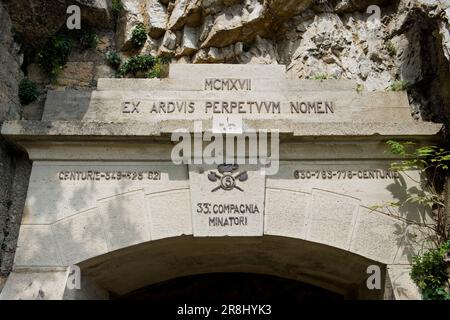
(227, 200)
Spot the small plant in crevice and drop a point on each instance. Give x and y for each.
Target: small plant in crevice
(28, 92)
(359, 88)
(322, 76)
(139, 35)
(87, 38)
(137, 64)
(392, 50)
(161, 67)
(146, 66)
(54, 54)
(399, 85)
(116, 7)
(113, 59)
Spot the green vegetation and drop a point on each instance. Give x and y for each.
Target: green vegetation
(116, 7)
(392, 50)
(428, 268)
(27, 92)
(152, 67)
(428, 272)
(322, 76)
(53, 56)
(161, 68)
(87, 38)
(113, 59)
(399, 85)
(139, 35)
(359, 88)
(137, 64)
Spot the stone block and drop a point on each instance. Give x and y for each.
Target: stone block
(29, 247)
(377, 236)
(286, 213)
(36, 284)
(157, 18)
(332, 219)
(169, 214)
(66, 105)
(81, 237)
(402, 285)
(125, 219)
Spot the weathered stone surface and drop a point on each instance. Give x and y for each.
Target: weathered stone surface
(157, 18)
(349, 5)
(240, 22)
(39, 284)
(289, 8)
(77, 74)
(95, 13)
(103, 71)
(131, 16)
(261, 52)
(185, 12)
(38, 19)
(189, 43)
(67, 104)
(402, 285)
(169, 41)
(210, 55)
(36, 74)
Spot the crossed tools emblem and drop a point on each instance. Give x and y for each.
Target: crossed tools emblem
(228, 177)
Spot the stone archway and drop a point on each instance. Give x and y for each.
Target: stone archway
(104, 185)
(129, 269)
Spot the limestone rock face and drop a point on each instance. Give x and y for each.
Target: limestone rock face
(237, 23)
(352, 5)
(287, 8)
(95, 13)
(409, 41)
(169, 43)
(37, 19)
(10, 73)
(131, 16)
(185, 12)
(189, 44)
(157, 18)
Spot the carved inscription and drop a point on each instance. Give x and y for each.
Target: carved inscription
(318, 107)
(228, 107)
(228, 84)
(227, 200)
(108, 175)
(345, 174)
(227, 215)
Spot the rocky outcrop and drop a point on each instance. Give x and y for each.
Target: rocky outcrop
(10, 73)
(156, 16)
(14, 166)
(131, 15)
(39, 19)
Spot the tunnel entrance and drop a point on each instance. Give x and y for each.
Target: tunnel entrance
(228, 287)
